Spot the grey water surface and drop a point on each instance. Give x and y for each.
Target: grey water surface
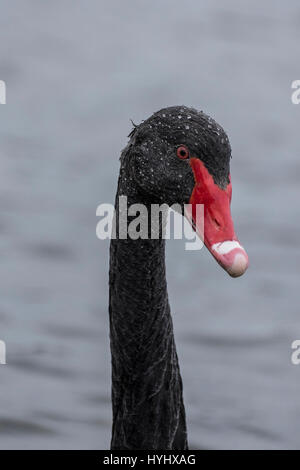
(76, 73)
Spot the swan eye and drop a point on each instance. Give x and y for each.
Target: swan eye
(182, 152)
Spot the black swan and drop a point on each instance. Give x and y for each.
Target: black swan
(178, 155)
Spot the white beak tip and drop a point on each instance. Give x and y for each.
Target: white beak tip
(239, 265)
(232, 257)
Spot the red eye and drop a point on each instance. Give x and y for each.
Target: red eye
(182, 152)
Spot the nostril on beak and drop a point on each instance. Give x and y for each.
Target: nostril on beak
(217, 223)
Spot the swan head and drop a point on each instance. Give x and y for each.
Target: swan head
(182, 156)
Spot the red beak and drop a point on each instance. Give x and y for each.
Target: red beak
(219, 235)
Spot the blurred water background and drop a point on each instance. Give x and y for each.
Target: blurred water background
(76, 73)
